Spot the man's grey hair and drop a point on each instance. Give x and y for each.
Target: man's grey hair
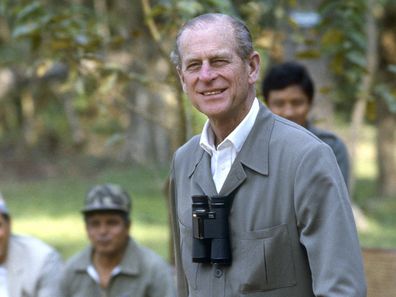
(241, 32)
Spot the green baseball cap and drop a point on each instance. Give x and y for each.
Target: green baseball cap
(107, 197)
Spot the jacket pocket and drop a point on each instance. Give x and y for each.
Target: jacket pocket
(264, 259)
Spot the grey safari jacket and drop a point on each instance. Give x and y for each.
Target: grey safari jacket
(143, 274)
(291, 225)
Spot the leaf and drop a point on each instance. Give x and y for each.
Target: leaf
(387, 95)
(29, 11)
(392, 68)
(189, 7)
(308, 54)
(359, 39)
(114, 139)
(24, 30)
(332, 37)
(357, 58)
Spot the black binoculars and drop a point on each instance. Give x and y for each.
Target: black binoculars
(211, 241)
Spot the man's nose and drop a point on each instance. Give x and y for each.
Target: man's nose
(103, 229)
(288, 111)
(207, 73)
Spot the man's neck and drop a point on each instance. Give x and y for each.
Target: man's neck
(104, 265)
(224, 126)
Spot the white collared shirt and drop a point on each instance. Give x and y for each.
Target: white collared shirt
(95, 275)
(224, 155)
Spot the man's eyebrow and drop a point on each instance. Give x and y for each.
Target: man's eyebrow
(221, 54)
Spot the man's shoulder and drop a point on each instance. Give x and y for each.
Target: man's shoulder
(189, 146)
(148, 256)
(322, 133)
(187, 154)
(291, 132)
(31, 245)
(79, 260)
(32, 253)
(328, 137)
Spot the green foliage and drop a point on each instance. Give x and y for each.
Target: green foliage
(344, 40)
(388, 94)
(62, 33)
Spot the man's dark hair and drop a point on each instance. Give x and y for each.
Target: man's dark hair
(285, 75)
(242, 34)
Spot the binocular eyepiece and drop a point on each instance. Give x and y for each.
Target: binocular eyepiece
(211, 241)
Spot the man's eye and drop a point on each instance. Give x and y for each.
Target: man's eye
(113, 223)
(219, 62)
(93, 224)
(193, 66)
(297, 103)
(278, 104)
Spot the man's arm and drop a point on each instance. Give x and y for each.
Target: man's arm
(48, 285)
(182, 287)
(326, 225)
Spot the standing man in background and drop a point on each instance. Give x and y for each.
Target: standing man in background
(259, 206)
(28, 266)
(289, 91)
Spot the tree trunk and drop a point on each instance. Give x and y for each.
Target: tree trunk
(77, 133)
(386, 119)
(360, 106)
(386, 150)
(153, 121)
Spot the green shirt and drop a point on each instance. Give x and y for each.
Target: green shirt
(141, 273)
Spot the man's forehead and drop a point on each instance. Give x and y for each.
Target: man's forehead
(103, 215)
(209, 54)
(204, 45)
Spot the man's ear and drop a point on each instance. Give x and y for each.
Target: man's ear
(254, 67)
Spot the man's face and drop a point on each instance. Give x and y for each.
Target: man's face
(291, 103)
(108, 233)
(217, 81)
(5, 232)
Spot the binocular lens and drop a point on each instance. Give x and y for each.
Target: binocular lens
(211, 243)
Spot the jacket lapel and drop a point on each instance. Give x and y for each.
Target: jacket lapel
(202, 176)
(253, 155)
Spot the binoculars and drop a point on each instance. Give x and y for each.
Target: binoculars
(211, 241)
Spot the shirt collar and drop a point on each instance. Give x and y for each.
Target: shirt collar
(130, 263)
(95, 275)
(237, 137)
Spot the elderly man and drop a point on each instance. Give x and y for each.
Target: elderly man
(28, 266)
(114, 265)
(259, 205)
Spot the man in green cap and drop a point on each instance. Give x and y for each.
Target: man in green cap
(114, 265)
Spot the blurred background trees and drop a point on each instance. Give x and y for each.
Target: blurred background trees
(93, 77)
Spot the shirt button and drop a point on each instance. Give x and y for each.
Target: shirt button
(218, 272)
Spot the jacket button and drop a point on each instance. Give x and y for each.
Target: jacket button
(218, 272)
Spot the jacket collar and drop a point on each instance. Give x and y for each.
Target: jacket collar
(130, 263)
(254, 155)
